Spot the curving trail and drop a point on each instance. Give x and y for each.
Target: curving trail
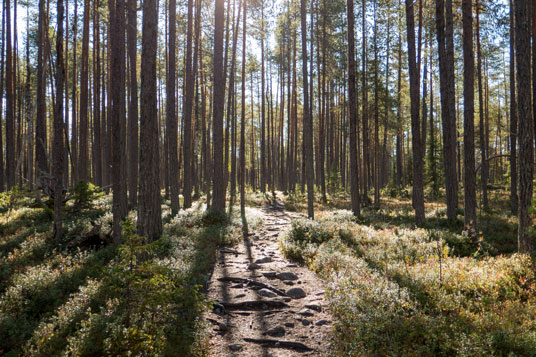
(267, 305)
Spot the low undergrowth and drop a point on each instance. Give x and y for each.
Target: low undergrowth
(136, 299)
(399, 290)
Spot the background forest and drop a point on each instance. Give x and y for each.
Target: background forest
(137, 138)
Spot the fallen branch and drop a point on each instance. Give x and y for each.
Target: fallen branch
(279, 344)
(254, 283)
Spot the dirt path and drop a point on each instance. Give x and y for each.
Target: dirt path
(268, 306)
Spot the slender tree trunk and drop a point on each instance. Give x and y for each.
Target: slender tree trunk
(2, 72)
(525, 129)
(468, 115)
(96, 94)
(307, 118)
(132, 40)
(243, 118)
(171, 115)
(481, 110)
(83, 155)
(263, 109)
(376, 161)
(41, 163)
(117, 39)
(513, 118)
(231, 110)
(149, 208)
(74, 115)
(218, 201)
(352, 109)
(187, 111)
(10, 103)
(364, 93)
(58, 151)
(400, 129)
(448, 112)
(418, 163)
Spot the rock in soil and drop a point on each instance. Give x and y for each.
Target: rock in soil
(296, 293)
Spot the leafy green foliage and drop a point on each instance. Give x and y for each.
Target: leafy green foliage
(84, 193)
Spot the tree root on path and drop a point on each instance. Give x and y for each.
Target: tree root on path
(279, 344)
(256, 304)
(254, 283)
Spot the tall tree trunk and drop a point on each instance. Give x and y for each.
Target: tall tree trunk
(10, 103)
(132, 41)
(40, 120)
(263, 110)
(352, 109)
(117, 39)
(83, 155)
(2, 72)
(513, 118)
(364, 93)
(468, 115)
(444, 23)
(74, 114)
(400, 129)
(58, 151)
(481, 110)
(418, 163)
(525, 133)
(307, 118)
(171, 116)
(243, 118)
(149, 208)
(376, 161)
(218, 200)
(231, 110)
(96, 94)
(187, 112)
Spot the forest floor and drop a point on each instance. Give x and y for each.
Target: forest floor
(373, 285)
(265, 304)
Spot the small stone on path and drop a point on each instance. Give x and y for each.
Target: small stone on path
(235, 347)
(296, 293)
(287, 275)
(254, 266)
(306, 312)
(268, 274)
(314, 306)
(277, 331)
(321, 322)
(263, 260)
(266, 293)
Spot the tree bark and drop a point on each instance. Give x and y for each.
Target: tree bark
(468, 116)
(10, 103)
(83, 155)
(513, 118)
(352, 110)
(218, 200)
(481, 110)
(525, 134)
(243, 118)
(187, 112)
(307, 119)
(58, 151)
(418, 163)
(132, 34)
(149, 208)
(444, 23)
(41, 163)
